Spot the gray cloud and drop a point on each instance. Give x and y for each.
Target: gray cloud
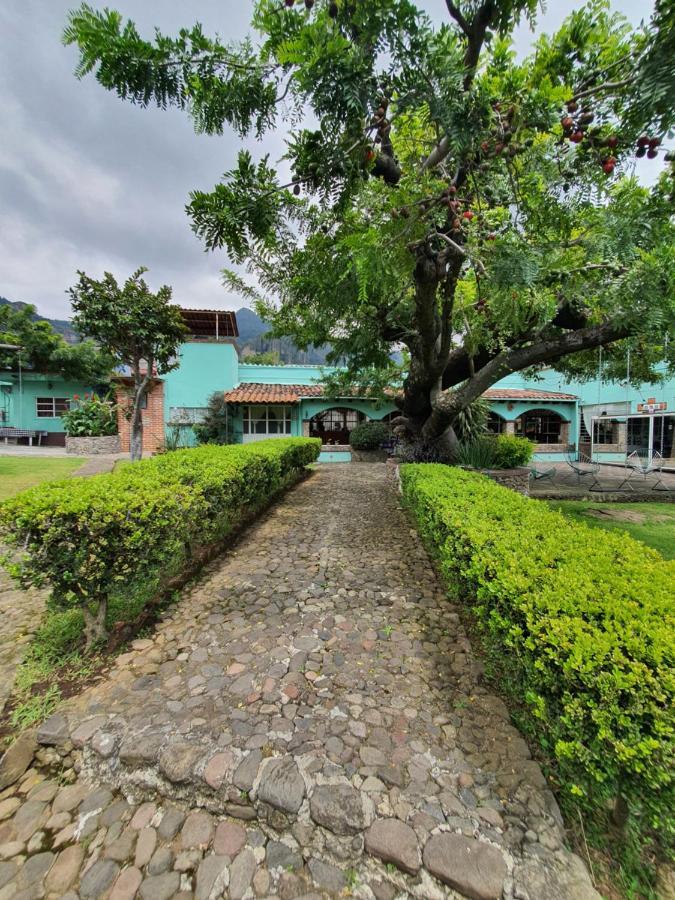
(88, 182)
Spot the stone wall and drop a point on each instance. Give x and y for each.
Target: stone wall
(516, 479)
(368, 455)
(93, 446)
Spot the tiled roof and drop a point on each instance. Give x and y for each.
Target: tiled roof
(255, 392)
(272, 393)
(518, 394)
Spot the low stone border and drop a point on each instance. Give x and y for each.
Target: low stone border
(93, 446)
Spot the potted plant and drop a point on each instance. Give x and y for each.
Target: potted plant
(91, 426)
(366, 441)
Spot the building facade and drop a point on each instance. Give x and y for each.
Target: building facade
(606, 420)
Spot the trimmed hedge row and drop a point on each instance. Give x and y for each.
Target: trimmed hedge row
(583, 625)
(131, 531)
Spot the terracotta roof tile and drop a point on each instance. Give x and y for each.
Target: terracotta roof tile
(256, 392)
(518, 394)
(272, 393)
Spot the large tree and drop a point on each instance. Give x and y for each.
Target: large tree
(140, 329)
(437, 194)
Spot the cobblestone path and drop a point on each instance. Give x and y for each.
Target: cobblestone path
(20, 614)
(309, 721)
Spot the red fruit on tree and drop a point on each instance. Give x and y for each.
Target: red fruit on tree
(567, 122)
(468, 215)
(577, 137)
(572, 106)
(296, 189)
(612, 141)
(456, 224)
(652, 153)
(643, 140)
(654, 142)
(640, 152)
(608, 165)
(484, 146)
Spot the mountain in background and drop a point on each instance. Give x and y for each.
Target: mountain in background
(252, 337)
(61, 326)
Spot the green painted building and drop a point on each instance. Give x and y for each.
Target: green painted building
(607, 420)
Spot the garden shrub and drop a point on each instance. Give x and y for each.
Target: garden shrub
(582, 627)
(126, 534)
(512, 452)
(489, 451)
(90, 416)
(369, 435)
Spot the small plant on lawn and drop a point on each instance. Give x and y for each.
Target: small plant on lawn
(36, 709)
(90, 416)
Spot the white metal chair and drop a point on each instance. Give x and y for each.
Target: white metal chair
(645, 465)
(583, 467)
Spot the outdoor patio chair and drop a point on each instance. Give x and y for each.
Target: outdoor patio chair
(538, 474)
(645, 465)
(583, 467)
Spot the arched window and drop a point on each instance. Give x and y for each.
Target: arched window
(495, 423)
(541, 426)
(334, 425)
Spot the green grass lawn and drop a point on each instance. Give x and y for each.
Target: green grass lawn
(651, 523)
(20, 472)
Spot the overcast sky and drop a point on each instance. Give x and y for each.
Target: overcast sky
(89, 182)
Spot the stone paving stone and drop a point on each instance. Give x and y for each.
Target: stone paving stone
(229, 839)
(393, 841)
(212, 877)
(474, 868)
(282, 785)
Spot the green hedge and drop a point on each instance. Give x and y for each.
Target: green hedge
(582, 625)
(96, 540)
(369, 435)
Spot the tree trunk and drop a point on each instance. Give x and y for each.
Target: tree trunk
(136, 441)
(141, 385)
(94, 624)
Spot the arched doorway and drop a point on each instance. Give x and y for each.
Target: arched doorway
(334, 425)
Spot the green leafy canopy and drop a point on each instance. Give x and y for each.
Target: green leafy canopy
(437, 194)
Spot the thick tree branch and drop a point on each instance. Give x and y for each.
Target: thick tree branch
(450, 402)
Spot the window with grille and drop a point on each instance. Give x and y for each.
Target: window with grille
(604, 432)
(267, 421)
(51, 407)
(540, 426)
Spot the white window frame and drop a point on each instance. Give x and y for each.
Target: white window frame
(256, 420)
(53, 413)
